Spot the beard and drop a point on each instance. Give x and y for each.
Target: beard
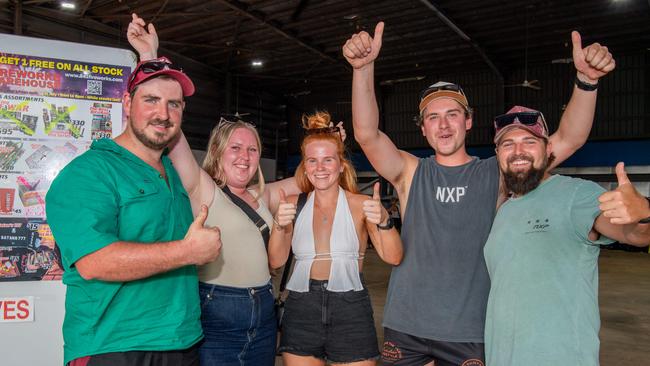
(522, 182)
(160, 140)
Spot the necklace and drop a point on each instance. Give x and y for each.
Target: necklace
(324, 217)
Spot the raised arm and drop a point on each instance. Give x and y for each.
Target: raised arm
(145, 41)
(126, 261)
(386, 241)
(592, 63)
(361, 51)
(622, 209)
(196, 181)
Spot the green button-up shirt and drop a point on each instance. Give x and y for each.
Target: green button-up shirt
(107, 195)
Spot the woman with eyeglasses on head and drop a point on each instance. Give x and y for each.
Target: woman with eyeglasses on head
(328, 316)
(237, 302)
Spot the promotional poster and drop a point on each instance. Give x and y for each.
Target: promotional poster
(50, 111)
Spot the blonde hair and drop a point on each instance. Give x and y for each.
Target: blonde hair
(322, 119)
(217, 144)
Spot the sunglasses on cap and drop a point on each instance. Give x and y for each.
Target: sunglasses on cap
(433, 89)
(524, 118)
(151, 66)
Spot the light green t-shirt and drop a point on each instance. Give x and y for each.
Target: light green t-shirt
(543, 303)
(107, 195)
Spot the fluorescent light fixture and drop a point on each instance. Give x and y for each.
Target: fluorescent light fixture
(68, 5)
(257, 63)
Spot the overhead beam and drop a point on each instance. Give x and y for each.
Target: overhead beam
(164, 5)
(85, 8)
(276, 27)
(110, 36)
(174, 14)
(18, 17)
(464, 36)
(475, 45)
(300, 8)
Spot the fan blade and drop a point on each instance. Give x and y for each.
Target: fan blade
(534, 87)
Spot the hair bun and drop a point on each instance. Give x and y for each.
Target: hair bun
(317, 120)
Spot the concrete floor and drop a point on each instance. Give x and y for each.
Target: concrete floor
(624, 304)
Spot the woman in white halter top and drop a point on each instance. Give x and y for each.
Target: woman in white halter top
(328, 317)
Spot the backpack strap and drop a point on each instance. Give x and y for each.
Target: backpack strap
(302, 198)
(252, 215)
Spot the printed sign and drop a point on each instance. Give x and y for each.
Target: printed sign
(50, 112)
(16, 309)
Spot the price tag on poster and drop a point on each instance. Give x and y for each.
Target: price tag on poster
(51, 109)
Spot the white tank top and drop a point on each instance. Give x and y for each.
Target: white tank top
(344, 249)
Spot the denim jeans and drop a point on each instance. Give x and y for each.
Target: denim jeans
(239, 325)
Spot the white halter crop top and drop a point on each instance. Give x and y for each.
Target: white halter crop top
(344, 249)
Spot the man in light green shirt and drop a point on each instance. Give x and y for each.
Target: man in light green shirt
(542, 252)
(120, 215)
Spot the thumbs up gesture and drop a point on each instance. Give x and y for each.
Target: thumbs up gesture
(593, 61)
(373, 209)
(361, 49)
(204, 242)
(624, 205)
(286, 211)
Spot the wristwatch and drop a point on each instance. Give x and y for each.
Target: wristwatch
(647, 219)
(389, 224)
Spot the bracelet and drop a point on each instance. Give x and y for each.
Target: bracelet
(277, 225)
(585, 86)
(647, 219)
(389, 224)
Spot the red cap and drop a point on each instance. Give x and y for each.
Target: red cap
(150, 69)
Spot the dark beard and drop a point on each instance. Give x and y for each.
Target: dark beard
(154, 144)
(520, 183)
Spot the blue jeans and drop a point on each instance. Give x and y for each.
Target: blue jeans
(239, 325)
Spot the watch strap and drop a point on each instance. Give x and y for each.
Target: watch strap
(585, 86)
(647, 219)
(389, 224)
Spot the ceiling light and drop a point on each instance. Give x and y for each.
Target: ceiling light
(68, 5)
(257, 63)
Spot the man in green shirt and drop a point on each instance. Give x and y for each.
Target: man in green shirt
(120, 215)
(542, 252)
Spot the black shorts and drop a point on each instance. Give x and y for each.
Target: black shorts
(401, 349)
(334, 326)
(187, 357)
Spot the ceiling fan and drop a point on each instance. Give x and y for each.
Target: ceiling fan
(235, 116)
(531, 84)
